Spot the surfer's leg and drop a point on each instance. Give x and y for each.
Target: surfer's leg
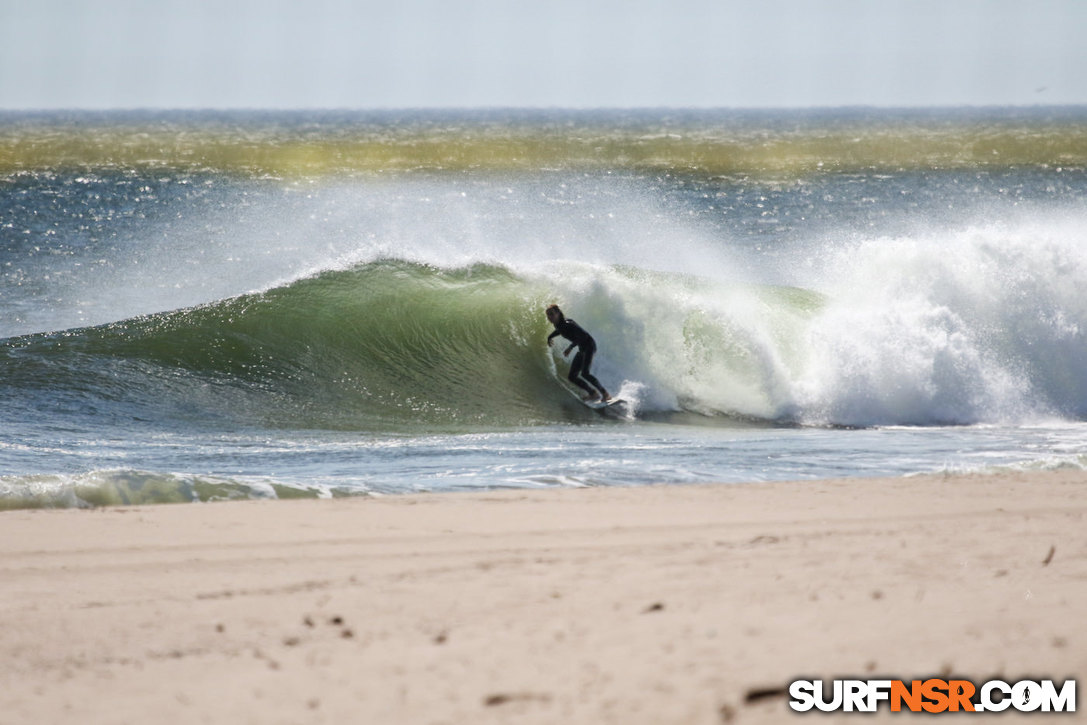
(575, 374)
(584, 371)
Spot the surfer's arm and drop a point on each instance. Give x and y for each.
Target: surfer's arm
(551, 337)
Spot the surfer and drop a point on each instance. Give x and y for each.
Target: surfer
(586, 348)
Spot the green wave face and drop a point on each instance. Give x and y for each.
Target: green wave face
(386, 344)
(393, 345)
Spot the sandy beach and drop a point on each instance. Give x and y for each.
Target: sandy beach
(661, 604)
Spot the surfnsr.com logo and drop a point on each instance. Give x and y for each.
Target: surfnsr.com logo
(932, 696)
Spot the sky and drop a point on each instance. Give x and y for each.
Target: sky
(362, 54)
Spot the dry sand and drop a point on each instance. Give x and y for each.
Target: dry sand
(677, 604)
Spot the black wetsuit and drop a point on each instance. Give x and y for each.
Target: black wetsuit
(586, 348)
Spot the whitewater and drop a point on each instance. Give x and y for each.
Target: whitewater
(175, 329)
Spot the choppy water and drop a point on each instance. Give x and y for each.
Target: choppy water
(223, 305)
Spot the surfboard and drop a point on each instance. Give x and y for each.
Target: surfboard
(600, 404)
(594, 404)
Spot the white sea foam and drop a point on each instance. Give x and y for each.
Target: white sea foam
(982, 324)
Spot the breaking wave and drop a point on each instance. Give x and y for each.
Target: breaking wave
(986, 325)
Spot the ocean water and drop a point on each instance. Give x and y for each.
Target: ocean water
(200, 306)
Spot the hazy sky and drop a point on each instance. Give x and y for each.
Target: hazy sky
(540, 53)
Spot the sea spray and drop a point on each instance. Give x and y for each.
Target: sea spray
(982, 324)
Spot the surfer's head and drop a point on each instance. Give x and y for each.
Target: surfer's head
(554, 314)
